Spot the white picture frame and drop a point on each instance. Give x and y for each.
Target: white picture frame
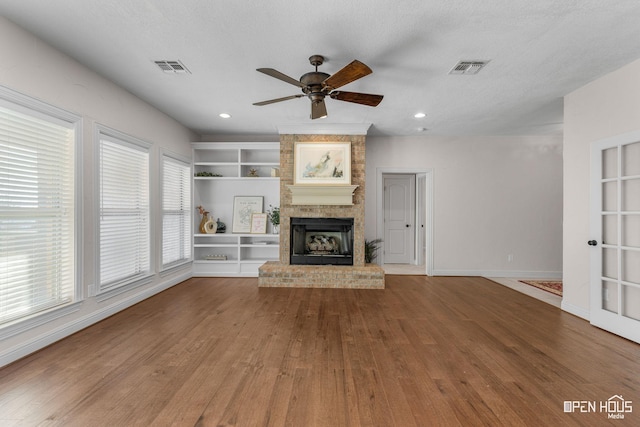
(259, 223)
(243, 208)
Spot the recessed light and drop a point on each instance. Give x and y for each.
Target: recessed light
(419, 115)
(225, 115)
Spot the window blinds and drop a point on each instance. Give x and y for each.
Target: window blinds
(124, 212)
(176, 211)
(37, 241)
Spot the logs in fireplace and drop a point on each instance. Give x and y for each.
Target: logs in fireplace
(317, 241)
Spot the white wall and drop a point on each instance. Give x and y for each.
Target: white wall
(33, 68)
(493, 196)
(604, 108)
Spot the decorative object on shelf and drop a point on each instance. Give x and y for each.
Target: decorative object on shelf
(371, 250)
(275, 172)
(274, 217)
(322, 163)
(210, 227)
(205, 218)
(215, 257)
(253, 173)
(207, 174)
(243, 207)
(258, 223)
(222, 227)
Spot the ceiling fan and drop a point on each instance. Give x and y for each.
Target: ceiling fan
(316, 85)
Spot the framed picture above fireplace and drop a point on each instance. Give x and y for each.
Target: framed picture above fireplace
(323, 163)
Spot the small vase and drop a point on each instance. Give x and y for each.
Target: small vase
(275, 228)
(211, 226)
(203, 224)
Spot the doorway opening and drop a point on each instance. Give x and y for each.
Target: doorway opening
(404, 220)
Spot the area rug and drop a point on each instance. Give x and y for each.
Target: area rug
(553, 286)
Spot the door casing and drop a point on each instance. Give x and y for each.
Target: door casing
(427, 189)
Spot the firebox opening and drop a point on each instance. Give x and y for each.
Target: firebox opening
(318, 241)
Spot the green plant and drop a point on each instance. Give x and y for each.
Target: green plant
(371, 249)
(274, 215)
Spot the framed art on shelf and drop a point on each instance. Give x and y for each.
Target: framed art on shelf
(243, 208)
(322, 163)
(258, 223)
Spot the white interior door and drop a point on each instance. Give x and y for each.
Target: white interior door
(615, 234)
(399, 219)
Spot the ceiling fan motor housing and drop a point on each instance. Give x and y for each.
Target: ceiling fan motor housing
(313, 87)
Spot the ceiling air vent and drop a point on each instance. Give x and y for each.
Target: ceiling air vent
(175, 67)
(468, 67)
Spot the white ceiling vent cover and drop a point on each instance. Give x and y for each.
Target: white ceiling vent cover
(175, 67)
(468, 67)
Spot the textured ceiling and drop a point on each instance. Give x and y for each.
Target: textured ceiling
(538, 50)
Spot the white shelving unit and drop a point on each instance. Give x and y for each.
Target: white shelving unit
(228, 253)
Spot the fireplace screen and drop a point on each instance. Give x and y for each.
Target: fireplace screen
(322, 241)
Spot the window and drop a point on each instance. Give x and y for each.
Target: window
(37, 207)
(124, 210)
(176, 211)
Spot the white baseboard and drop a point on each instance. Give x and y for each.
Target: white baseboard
(575, 310)
(516, 274)
(29, 346)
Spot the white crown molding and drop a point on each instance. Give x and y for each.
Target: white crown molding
(325, 129)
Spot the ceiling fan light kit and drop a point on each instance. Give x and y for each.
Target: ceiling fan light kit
(317, 85)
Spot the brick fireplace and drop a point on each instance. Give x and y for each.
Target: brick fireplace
(282, 273)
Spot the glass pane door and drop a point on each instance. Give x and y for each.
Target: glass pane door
(615, 288)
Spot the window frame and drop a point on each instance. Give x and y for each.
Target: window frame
(39, 109)
(130, 282)
(184, 161)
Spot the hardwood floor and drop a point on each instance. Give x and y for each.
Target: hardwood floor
(424, 352)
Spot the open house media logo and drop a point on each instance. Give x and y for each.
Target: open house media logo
(615, 407)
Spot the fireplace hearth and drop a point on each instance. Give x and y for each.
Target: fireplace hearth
(321, 241)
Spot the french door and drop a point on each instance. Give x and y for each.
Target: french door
(615, 234)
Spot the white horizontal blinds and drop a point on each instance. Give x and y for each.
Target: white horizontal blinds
(124, 212)
(36, 212)
(176, 211)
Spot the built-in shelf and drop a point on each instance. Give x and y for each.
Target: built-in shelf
(322, 194)
(233, 254)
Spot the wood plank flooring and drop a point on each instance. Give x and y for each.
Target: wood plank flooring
(425, 351)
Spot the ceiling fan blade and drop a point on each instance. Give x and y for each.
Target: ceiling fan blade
(349, 73)
(280, 76)
(358, 98)
(271, 101)
(318, 109)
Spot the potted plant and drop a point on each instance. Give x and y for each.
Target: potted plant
(274, 218)
(371, 250)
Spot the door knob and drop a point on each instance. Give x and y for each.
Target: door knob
(592, 243)
(407, 226)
